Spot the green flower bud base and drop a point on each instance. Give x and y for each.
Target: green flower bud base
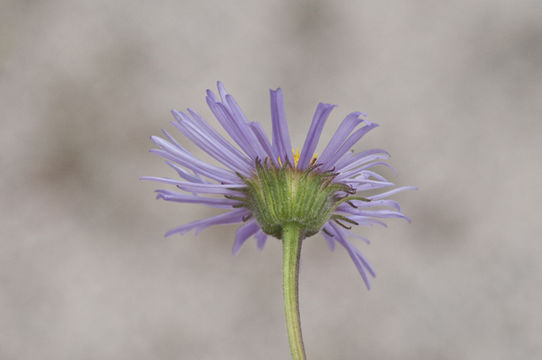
(286, 195)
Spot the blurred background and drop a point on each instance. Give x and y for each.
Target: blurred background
(85, 272)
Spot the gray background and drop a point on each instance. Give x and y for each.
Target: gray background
(85, 272)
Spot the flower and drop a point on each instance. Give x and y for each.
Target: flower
(262, 184)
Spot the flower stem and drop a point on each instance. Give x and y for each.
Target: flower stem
(291, 250)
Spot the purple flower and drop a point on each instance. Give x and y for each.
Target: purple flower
(228, 186)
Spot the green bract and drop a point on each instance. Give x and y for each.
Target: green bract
(280, 196)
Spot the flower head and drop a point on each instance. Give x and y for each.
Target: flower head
(265, 185)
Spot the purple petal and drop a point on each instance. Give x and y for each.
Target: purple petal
(351, 172)
(200, 133)
(231, 217)
(185, 175)
(214, 202)
(346, 233)
(238, 123)
(211, 95)
(264, 142)
(173, 148)
(329, 239)
(231, 125)
(311, 141)
(391, 192)
(261, 237)
(281, 136)
(365, 221)
(224, 189)
(351, 161)
(364, 184)
(372, 203)
(243, 233)
(184, 158)
(354, 138)
(372, 174)
(243, 125)
(361, 174)
(351, 234)
(361, 212)
(198, 167)
(234, 108)
(366, 263)
(239, 120)
(355, 255)
(211, 148)
(221, 91)
(231, 149)
(345, 128)
(382, 214)
(172, 140)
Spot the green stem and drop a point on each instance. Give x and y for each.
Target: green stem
(291, 250)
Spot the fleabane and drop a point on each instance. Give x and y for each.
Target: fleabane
(267, 185)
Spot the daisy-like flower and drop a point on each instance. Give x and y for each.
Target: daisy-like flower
(275, 190)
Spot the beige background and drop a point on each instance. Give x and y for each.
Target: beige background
(85, 272)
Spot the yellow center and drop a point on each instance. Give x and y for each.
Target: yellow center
(296, 157)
